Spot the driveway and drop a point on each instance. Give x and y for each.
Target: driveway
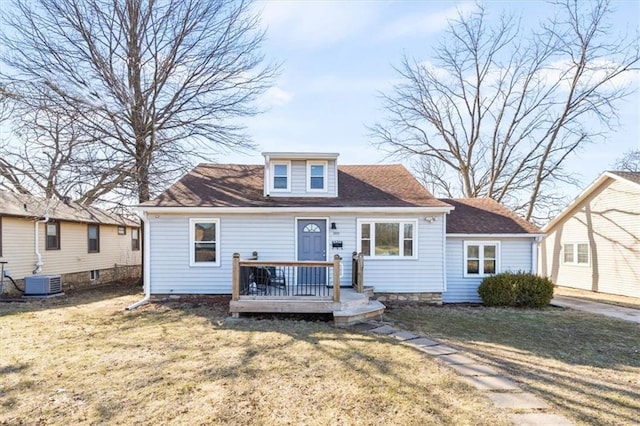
(627, 314)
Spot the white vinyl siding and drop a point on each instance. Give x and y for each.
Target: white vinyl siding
(273, 237)
(607, 222)
(515, 255)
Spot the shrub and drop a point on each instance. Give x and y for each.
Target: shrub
(498, 290)
(516, 289)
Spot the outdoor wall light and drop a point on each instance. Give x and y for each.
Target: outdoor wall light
(333, 226)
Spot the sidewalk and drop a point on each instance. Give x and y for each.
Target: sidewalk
(627, 314)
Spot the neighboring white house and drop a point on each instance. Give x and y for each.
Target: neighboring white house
(85, 245)
(594, 244)
(303, 206)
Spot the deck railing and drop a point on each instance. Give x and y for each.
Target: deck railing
(285, 279)
(357, 271)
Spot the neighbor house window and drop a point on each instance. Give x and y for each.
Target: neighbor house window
(122, 230)
(205, 242)
(387, 238)
(94, 275)
(317, 176)
(481, 258)
(93, 237)
(135, 239)
(281, 173)
(575, 253)
(0, 236)
(52, 235)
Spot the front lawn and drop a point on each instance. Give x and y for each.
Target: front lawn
(84, 360)
(587, 366)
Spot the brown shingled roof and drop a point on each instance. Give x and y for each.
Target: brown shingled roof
(631, 176)
(485, 216)
(235, 185)
(22, 205)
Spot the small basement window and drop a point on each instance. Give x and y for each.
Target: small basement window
(94, 275)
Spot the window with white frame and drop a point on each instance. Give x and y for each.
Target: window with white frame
(204, 236)
(135, 239)
(481, 258)
(317, 176)
(575, 253)
(281, 176)
(382, 238)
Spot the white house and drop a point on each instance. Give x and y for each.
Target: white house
(594, 243)
(304, 207)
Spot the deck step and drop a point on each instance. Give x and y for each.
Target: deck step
(354, 315)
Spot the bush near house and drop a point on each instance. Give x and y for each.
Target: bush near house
(516, 289)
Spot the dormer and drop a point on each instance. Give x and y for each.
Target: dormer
(300, 174)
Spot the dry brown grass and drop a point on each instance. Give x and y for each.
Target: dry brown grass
(84, 360)
(587, 366)
(612, 299)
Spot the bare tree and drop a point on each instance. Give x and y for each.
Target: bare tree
(146, 85)
(629, 162)
(502, 112)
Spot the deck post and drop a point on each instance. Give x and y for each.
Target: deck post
(235, 277)
(354, 270)
(336, 278)
(360, 264)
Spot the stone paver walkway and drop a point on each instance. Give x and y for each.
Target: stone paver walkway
(523, 408)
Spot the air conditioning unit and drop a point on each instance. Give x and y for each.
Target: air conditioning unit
(43, 285)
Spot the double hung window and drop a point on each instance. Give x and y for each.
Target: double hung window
(281, 176)
(575, 253)
(205, 242)
(52, 235)
(481, 258)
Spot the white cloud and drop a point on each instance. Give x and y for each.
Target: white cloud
(312, 24)
(275, 97)
(425, 23)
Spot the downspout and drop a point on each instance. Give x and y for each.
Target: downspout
(39, 262)
(534, 255)
(146, 273)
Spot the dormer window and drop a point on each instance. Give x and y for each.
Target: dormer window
(317, 176)
(281, 172)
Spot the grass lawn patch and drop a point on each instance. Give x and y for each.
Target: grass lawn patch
(587, 366)
(84, 359)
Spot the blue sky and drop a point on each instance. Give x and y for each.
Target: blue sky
(337, 56)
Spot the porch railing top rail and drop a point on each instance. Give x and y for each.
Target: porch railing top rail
(305, 263)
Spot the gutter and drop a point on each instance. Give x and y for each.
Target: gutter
(36, 235)
(146, 276)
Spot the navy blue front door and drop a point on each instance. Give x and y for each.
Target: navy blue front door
(312, 245)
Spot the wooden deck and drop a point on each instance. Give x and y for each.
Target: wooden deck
(261, 286)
